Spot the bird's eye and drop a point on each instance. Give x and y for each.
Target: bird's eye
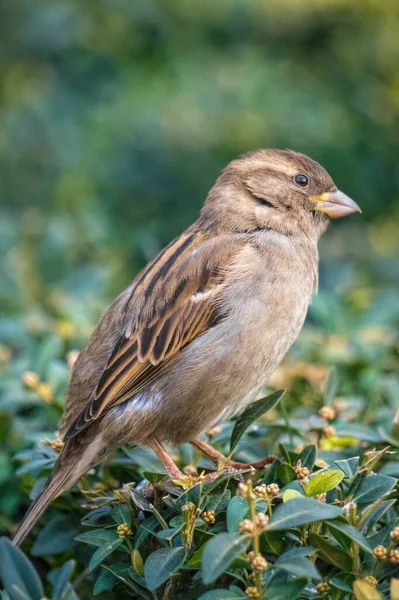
(301, 179)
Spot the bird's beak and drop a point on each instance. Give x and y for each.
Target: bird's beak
(335, 204)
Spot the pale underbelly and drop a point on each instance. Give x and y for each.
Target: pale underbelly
(210, 383)
(236, 406)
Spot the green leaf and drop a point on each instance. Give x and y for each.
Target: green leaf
(222, 595)
(253, 412)
(359, 432)
(57, 535)
(102, 553)
(195, 561)
(286, 473)
(351, 533)
(373, 488)
(299, 566)
(122, 572)
(272, 543)
(60, 579)
(296, 552)
(136, 577)
(308, 456)
(237, 510)
(98, 537)
(220, 552)
(285, 454)
(105, 581)
(381, 537)
(176, 521)
(169, 534)
(348, 467)
(147, 527)
(356, 483)
(293, 486)
(49, 349)
(323, 482)
(121, 514)
(293, 553)
(343, 581)
(331, 388)
(331, 554)
(161, 565)
(98, 517)
(289, 590)
(218, 503)
(154, 477)
(19, 576)
(290, 495)
(191, 495)
(301, 511)
(209, 486)
(270, 475)
(373, 513)
(35, 466)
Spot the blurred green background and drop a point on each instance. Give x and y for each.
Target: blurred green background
(116, 116)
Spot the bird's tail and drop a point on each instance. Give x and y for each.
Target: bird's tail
(56, 484)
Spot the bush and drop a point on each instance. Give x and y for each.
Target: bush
(320, 521)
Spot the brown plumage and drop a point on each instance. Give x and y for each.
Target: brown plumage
(189, 343)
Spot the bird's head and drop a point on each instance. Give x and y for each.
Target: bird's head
(276, 189)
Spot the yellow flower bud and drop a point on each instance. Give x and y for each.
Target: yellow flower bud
(30, 379)
(45, 392)
(273, 489)
(209, 516)
(371, 580)
(261, 521)
(247, 526)
(259, 564)
(123, 530)
(327, 412)
(380, 553)
(252, 592)
(323, 588)
(301, 471)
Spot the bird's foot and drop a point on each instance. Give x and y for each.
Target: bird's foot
(224, 462)
(170, 466)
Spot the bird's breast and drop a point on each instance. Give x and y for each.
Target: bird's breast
(264, 301)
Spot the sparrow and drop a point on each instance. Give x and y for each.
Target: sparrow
(201, 329)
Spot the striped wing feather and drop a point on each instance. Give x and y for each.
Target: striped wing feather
(173, 301)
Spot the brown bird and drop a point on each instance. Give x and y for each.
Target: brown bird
(190, 342)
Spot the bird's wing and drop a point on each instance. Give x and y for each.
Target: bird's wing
(173, 301)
